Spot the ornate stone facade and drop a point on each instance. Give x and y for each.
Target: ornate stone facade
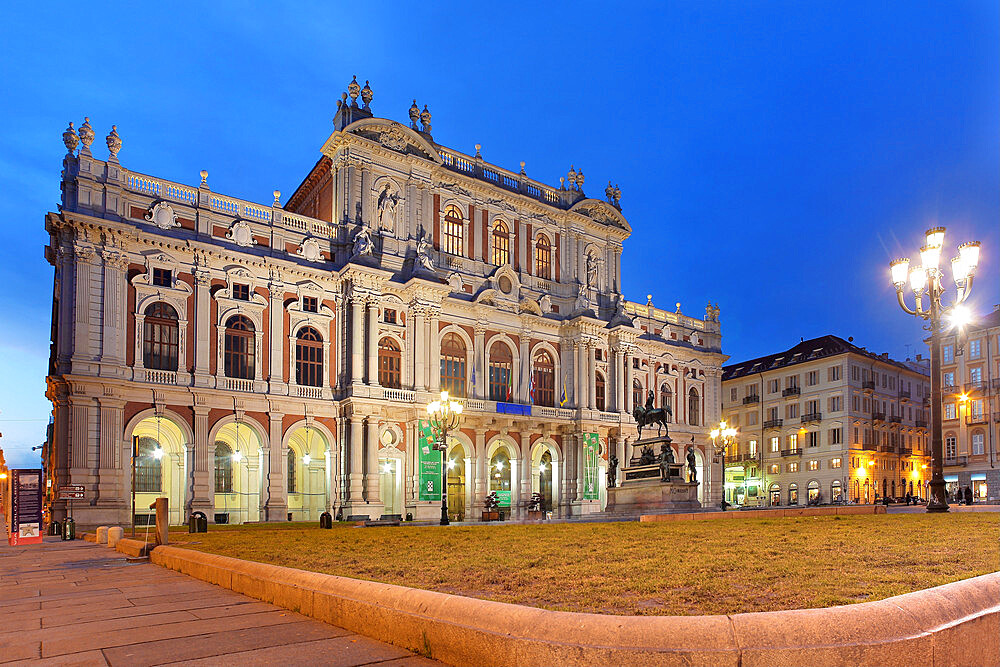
(275, 362)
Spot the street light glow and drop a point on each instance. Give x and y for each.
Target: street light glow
(960, 316)
(157, 454)
(899, 269)
(306, 459)
(237, 456)
(918, 279)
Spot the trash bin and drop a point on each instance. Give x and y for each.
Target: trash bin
(325, 520)
(198, 523)
(69, 529)
(55, 528)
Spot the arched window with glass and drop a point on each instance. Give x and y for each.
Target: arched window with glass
(667, 400)
(223, 468)
(545, 380)
(390, 363)
(453, 360)
(501, 372)
(694, 407)
(290, 466)
(309, 358)
(160, 337)
(543, 257)
(638, 399)
(453, 231)
(501, 243)
(599, 391)
(240, 347)
(148, 466)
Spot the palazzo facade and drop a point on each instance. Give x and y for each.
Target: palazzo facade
(271, 362)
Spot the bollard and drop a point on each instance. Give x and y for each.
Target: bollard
(55, 528)
(115, 533)
(325, 520)
(162, 519)
(102, 534)
(69, 529)
(198, 523)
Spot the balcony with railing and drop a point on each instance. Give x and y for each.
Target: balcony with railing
(797, 451)
(977, 388)
(920, 423)
(507, 180)
(878, 416)
(774, 423)
(811, 417)
(956, 461)
(236, 384)
(868, 385)
(791, 391)
(869, 447)
(739, 459)
(905, 451)
(753, 398)
(895, 419)
(980, 418)
(904, 393)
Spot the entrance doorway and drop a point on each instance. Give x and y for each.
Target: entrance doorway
(545, 481)
(390, 486)
(456, 482)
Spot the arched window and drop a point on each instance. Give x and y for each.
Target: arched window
(500, 375)
(637, 398)
(599, 391)
(148, 468)
(453, 231)
(389, 364)
(309, 358)
(543, 257)
(501, 243)
(667, 399)
(453, 360)
(291, 471)
(240, 347)
(223, 468)
(545, 380)
(159, 337)
(694, 407)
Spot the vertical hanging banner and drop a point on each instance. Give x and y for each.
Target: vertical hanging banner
(591, 452)
(25, 507)
(429, 463)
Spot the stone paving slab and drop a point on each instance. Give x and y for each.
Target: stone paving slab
(75, 603)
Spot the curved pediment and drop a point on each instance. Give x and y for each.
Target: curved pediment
(602, 212)
(394, 136)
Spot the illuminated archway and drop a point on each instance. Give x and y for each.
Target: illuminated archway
(241, 502)
(307, 471)
(160, 466)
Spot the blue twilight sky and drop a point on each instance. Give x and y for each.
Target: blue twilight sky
(773, 156)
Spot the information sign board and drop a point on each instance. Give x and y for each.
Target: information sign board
(429, 462)
(591, 452)
(25, 507)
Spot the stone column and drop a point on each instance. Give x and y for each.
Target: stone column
(525, 371)
(110, 494)
(419, 349)
(480, 479)
(373, 341)
(435, 351)
(366, 191)
(577, 377)
(202, 328)
(357, 338)
(628, 384)
(202, 488)
(276, 325)
(113, 324)
(352, 212)
(578, 463)
(592, 377)
(83, 355)
(373, 475)
(355, 445)
(479, 361)
(276, 508)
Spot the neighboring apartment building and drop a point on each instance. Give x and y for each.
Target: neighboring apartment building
(826, 421)
(970, 383)
(276, 361)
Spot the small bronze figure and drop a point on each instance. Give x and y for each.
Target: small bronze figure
(612, 471)
(692, 471)
(666, 458)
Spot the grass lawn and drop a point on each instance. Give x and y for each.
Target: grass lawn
(740, 564)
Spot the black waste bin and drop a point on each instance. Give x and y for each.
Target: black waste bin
(198, 523)
(325, 520)
(69, 529)
(55, 528)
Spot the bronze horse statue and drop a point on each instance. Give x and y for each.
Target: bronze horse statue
(650, 415)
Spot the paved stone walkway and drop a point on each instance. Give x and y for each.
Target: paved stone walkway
(76, 603)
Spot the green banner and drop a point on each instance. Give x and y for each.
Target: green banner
(591, 452)
(503, 498)
(429, 462)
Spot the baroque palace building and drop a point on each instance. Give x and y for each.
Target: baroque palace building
(826, 421)
(272, 362)
(970, 383)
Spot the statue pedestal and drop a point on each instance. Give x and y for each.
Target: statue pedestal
(643, 490)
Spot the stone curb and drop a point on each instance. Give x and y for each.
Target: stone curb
(766, 514)
(954, 624)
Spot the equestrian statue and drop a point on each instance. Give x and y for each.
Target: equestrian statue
(645, 416)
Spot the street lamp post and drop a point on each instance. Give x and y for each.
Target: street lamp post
(927, 279)
(722, 437)
(445, 416)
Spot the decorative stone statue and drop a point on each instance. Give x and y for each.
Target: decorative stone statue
(612, 471)
(591, 270)
(387, 202)
(582, 302)
(363, 246)
(423, 254)
(646, 456)
(666, 458)
(692, 470)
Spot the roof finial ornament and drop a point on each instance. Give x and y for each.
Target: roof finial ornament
(86, 136)
(277, 198)
(562, 182)
(425, 120)
(354, 89)
(70, 139)
(522, 168)
(414, 115)
(114, 143)
(614, 194)
(571, 177)
(478, 150)
(367, 95)
(204, 178)
(579, 180)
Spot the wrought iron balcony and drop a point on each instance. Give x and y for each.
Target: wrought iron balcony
(950, 389)
(868, 385)
(878, 416)
(977, 387)
(869, 447)
(812, 417)
(774, 423)
(920, 423)
(791, 391)
(740, 458)
(977, 419)
(792, 452)
(956, 461)
(895, 419)
(904, 393)
(905, 451)
(753, 398)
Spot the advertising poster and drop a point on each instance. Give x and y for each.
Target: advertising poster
(591, 451)
(503, 498)
(25, 507)
(429, 463)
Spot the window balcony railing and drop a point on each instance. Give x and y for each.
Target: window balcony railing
(905, 451)
(956, 461)
(977, 387)
(977, 419)
(812, 417)
(774, 423)
(791, 391)
(878, 416)
(159, 377)
(895, 419)
(869, 447)
(740, 458)
(920, 423)
(996, 383)
(237, 384)
(307, 392)
(792, 452)
(887, 449)
(904, 394)
(868, 385)
(949, 389)
(747, 400)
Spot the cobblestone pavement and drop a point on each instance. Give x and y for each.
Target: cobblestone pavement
(76, 603)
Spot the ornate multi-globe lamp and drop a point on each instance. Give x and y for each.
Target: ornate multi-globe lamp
(926, 280)
(444, 415)
(723, 436)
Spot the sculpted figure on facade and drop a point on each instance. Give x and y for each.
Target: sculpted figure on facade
(424, 254)
(592, 265)
(363, 245)
(387, 203)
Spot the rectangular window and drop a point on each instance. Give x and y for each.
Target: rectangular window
(732, 394)
(772, 414)
(774, 469)
(389, 316)
(812, 439)
(161, 277)
(977, 443)
(793, 467)
(241, 292)
(836, 436)
(835, 404)
(773, 386)
(975, 375)
(950, 446)
(792, 411)
(812, 378)
(834, 463)
(752, 448)
(310, 304)
(947, 354)
(949, 379)
(793, 441)
(775, 446)
(949, 410)
(855, 403)
(751, 419)
(976, 408)
(751, 390)
(833, 373)
(791, 381)
(813, 465)
(974, 349)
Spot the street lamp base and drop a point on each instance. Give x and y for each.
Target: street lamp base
(938, 501)
(444, 516)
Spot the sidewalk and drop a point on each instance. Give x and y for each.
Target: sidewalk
(76, 603)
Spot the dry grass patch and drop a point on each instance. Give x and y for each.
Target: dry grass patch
(739, 564)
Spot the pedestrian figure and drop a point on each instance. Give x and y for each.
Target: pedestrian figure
(968, 495)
